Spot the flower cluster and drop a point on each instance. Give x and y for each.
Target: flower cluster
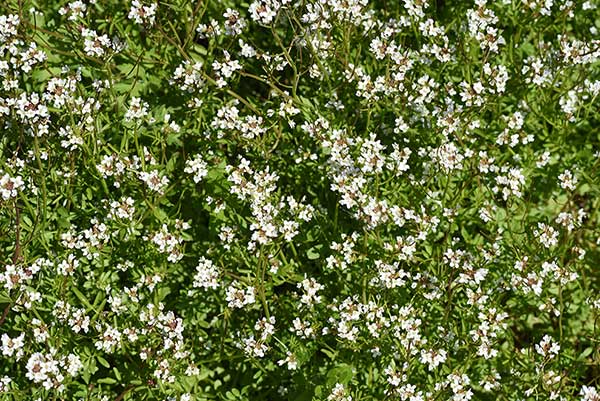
(330, 199)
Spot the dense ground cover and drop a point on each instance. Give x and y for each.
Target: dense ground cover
(296, 200)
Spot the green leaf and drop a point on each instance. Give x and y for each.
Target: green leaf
(103, 361)
(4, 298)
(330, 354)
(160, 214)
(82, 298)
(586, 352)
(313, 253)
(340, 374)
(40, 75)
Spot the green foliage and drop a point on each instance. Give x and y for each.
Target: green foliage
(313, 200)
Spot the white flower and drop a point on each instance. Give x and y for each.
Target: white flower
(142, 14)
(448, 157)
(238, 298)
(589, 393)
(264, 11)
(74, 364)
(207, 275)
(266, 327)
(310, 287)
(47, 369)
(339, 394)
(224, 70)
(10, 186)
(138, 109)
(4, 382)
(75, 9)
(188, 76)
(547, 347)
(168, 243)
(154, 180)
(13, 346)
(96, 45)
(254, 348)
(547, 235)
(68, 266)
(122, 209)
(234, 23)
(567, 180)
(8, 27)
(290, 359)
(433, 358)
(110, 340)
(196, 166)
